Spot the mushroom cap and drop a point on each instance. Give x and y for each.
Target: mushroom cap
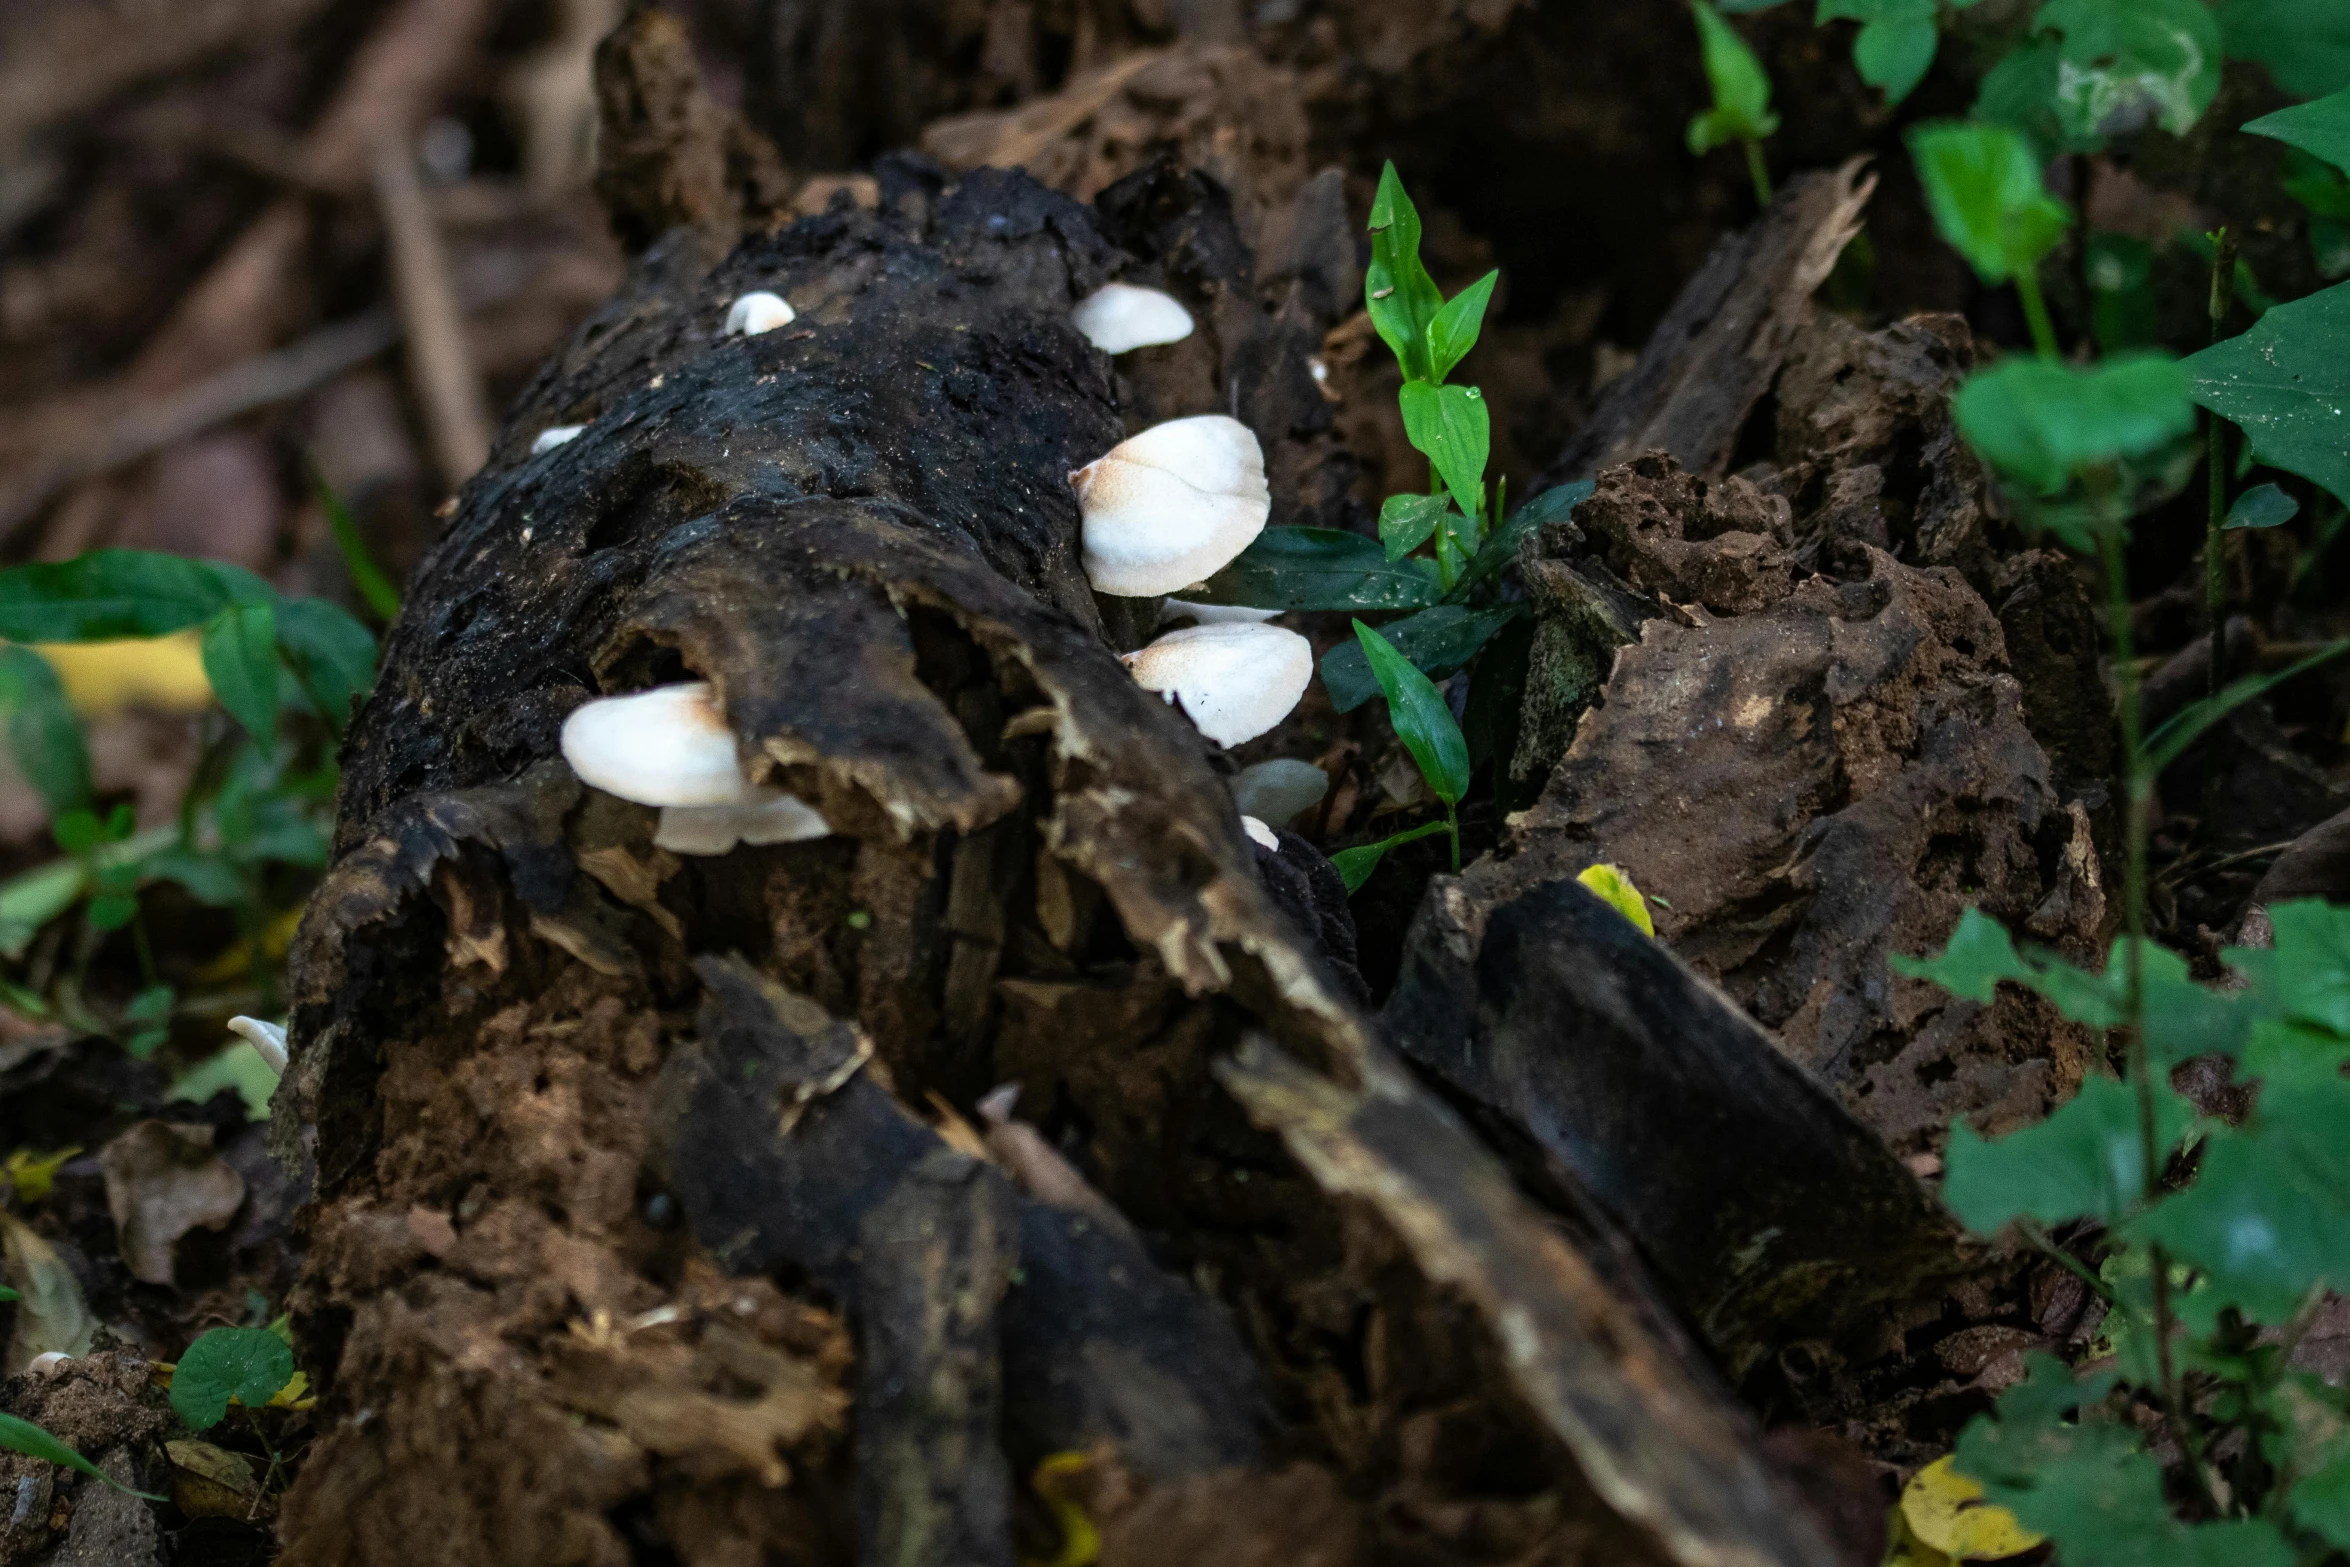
(1234, 682)
(554, 436)
(1171, 506)
(1119, 317)
(1214, 614)
(666, 746)
(1259, 833)
(757, 312)
(268, 1039)
(1278, 792)
(767, 816)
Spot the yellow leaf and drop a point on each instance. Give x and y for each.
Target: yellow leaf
(1904, 1549)
(31, 1175)
(1946, 1510)
(1616, 888)
(1081, 1542)
(295, 1394)
(104, 677)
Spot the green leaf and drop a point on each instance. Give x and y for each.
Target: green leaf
(2304, 43)
(1742, 91)
(208, 878)
(1454, 330)
(1356, 865)
(333, 653)
(240, 1067)
(240, 659)
(1979, 955)
(44, 736)
(2287, 383)
(1437, 641)
(22, 1436)
(1453, 427)
(1323, 569)
(112, 910)
(2263, 506)
(375, 589)
(2126, 64)
(1422, 720)
(249, 1365)
(2305, 972)
(2082, 1162)
(2020, 93)
(2184, 727)
(2321, 129)
(1983, 185)
(8, 1295)
(1397, 292)
(2124, 311)
(1555, 504)
(119, 593)
(1897, 41)
(2040, 422)
(1406, 521)
(2320, 1501)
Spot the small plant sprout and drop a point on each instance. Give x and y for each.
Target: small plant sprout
(1259, 833)
(554, 436)
(666, 746)
(1742, 98)
(1171, 506)
(1425, 725)
(758, 312)
(268, 1039)
(1233, 682)
(1983, 186)
(1118, 318)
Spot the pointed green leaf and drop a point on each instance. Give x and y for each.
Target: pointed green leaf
(1355, 865)
(22, 1436)
(2286, 382)
(1406, 521)
(1983, 185)
(2263, 506)
(1397, 291)
(119, 593)
(1454, 330)
(1422, 720)
(2321, 129)
(44, 735)
(1555, 504)
(2082, 1162)
(1437, 641)
(2041, 422)
(1452, 425)
(249, 1365)
(240, 659)
(375, 589)
(334, 654)
(1321, 568)
(1742, 90)
(2181, 730)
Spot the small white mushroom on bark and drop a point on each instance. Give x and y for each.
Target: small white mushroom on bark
(1214, 614)
(769, 816)
(556, 436)
(666, 746)
(1171, 506)
(1118, 318)
(267, 1039)
(1233, 682)
(1258, 832)
(758, 312)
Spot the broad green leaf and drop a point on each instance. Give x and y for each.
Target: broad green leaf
(1322, 568)
(2082, 1162)
(1453, 427)
(1406, 521)
(2320, 1501)
(2305, 974)
(2263, 506)
(2127, 64)
(1397, 292)
(248, 1365)
(1454, 330)
(1437, 641)
(119, 593)
(1983, 185)
(240, 659)
(2315, 183)
(1422, 720)
(208, 878)
(1555, 504)
(2286, 382)
(334, 654)
(374, 587)
(1742, 92)
(44, 736)
(2304, 43)
(2020, 93)
(22, 1436)
(2321, 129)
(1897, 41)
(1355, 865)
(2041, 423)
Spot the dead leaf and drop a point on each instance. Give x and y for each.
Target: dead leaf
(208, 1482)
(1946, 1512)
(163, 1180)
(52, 1317)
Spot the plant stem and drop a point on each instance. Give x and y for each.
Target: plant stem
(1452, 825)
(1759, 170)
(2215, 448)
(2027, 287)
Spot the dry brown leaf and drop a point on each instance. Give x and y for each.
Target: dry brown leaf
(163, 1180)
(52, 1316)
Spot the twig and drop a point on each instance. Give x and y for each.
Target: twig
(440, 362)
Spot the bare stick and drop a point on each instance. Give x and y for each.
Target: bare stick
(440, 362)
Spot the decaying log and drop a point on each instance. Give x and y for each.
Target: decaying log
(858, 528)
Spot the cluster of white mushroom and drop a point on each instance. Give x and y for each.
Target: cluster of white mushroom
(670, 747)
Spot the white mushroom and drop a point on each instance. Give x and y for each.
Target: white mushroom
(1279, 791)
(1258, 832)
(1171, 506)
(769, 816)
(1233, 682)
(555, 436)
(1213, 614)
(268, 1039)
(45, 1362)
(1118, 317)
(758, 312)
(666, 746)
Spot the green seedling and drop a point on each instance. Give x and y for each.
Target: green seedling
(1983, 185)
(1425, 726)
(1741, 109)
